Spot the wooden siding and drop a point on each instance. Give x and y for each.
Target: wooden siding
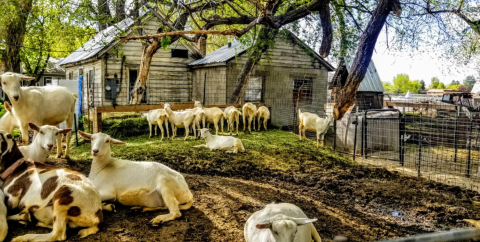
(209, 85)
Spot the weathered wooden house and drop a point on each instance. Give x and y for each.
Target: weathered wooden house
(107, 64)
(289, 76)
(369, 93)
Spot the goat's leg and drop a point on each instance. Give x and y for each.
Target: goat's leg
(249, 124)
(59, 145)
(150, 126)
(222, 119)
(237, 125)
(24, 130)
(159, 123)
(244, 122)
(155, 128)
(171, 203)
(216, 126)
(258, 122)
(265, 124)
(59, 227)
(166, 127)
(70, 121)
(318, 139)
(187, 130)
(323, 140)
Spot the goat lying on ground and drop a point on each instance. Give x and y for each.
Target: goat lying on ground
(312, 122)
(148, 185)
(48, 105)
(180, 119)
(264, 113)
(232, 114)
(8, 122)
(156, 118)
(55, 197)
(249, 112)
(282, 222)
(217, 142)
(42, 143)
(3, 217)
(212, 115)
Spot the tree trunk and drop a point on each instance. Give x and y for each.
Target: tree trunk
(346, 96)
(15, 34)
(147, 55)
(327, 36)
(261, 46)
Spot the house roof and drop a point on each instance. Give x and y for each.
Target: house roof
(223, 54)
(370, 83)
(226, 53)
(103, 39)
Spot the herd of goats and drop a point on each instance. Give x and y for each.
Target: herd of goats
(56, 198)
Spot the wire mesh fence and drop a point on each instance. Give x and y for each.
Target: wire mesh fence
(432, 139)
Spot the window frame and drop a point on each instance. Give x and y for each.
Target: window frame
(303, 95)
(249, 88)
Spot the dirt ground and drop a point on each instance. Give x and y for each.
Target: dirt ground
(363, 204)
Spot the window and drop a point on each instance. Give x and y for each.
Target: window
(47, 81)
(302, 89)
(70, 75)
(177, 53)
(132, 78)
(254, 91)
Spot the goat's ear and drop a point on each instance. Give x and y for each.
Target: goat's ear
(302, 221)
(34, 127)
(26, 78)
(263, 225)
(7, 107)
(117, 142)
(85, 135)
(64, 131)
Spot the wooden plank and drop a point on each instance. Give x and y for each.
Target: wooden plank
(142, 108)
(445, 106)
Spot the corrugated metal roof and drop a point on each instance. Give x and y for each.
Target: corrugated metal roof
(103, 39)
(223, 54)
(371, 82)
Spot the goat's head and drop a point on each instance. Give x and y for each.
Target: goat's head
(197, 103)
(8, 150)
(204, 132)
(166, 106)
(47, 135)
(283, 228)
(100, 142)
(11, 84)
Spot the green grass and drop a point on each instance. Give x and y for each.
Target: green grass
(271, 151)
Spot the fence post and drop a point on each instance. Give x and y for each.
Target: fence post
(355, 136)
(365, 136)
(420, 146)
(402, 139)
(469, 145)
(76, 128)
(455, 134)
(335, 134)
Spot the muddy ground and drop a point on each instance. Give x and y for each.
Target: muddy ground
(361, 203)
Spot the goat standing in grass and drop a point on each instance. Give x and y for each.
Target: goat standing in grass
(48, 105)
(156, 118)
(180, 119)
(312, 122)
(217, 142)
(212, 115)
(148, 185)
(264, 113)
(282, 222)
(232, 115)
(249, 112)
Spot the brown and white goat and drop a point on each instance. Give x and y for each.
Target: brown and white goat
(55, 197)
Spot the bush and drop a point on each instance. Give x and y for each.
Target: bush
(126, 126)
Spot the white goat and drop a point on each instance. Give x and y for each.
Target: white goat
(149, 185)
(8, 122)
(156, 118)
(264, 113)
(212, 115)
(42, 143)
(199, 118)
(282, 222)
(312, 122)
(48, 105)
(217, 142)
(249, 112)
(3, 217)
(232, 114)
(180, 119)
(56, 197)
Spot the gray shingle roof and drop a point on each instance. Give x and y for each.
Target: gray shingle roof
(103, 39)
(223, 54)
(371, 82)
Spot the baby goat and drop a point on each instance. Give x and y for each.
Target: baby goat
(148, 185)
